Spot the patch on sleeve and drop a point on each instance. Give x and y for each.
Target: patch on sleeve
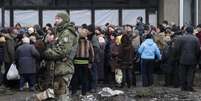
(66, 39)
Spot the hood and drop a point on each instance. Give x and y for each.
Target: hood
(65, 26)
(149, 42)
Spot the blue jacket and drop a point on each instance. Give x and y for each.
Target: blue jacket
(149, 50)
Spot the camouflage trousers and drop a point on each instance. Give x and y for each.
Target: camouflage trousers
(61, 87)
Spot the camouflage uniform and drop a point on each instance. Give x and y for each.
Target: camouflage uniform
(61, 55)
(46, 75)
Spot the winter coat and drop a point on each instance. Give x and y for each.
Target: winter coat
(135, 42)
(187, 49)
(126, 55)
(85, 52)
(1, 53)
(159, 39)
(126, 52)
(96, 47)
(9, 49)
(168, 59)
(67, 38)
(114, 56)
(149, 50)
(26, 55)
(94, 41)
(140, 28)
(107, 51)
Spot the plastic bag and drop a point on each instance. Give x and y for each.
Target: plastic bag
(118, 76)
(108, 92)
(13, 73)
(49, 93)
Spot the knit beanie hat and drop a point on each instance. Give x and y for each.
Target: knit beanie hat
(189, 29)
(64, 16)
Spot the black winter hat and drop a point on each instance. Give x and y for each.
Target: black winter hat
(149, 36)
(140, 18)
(199, 26)
(189, 29)
(91, 28)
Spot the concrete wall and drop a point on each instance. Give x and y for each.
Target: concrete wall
(161, 11)
(169, 10)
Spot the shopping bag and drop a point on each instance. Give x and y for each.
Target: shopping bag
(118, 75)
(2, 39)
(13, 73)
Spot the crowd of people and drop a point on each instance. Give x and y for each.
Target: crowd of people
(50, 57)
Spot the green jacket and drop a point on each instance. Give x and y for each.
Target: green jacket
(9, 49)
(66, 38)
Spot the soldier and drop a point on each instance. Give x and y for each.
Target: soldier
(62, 53)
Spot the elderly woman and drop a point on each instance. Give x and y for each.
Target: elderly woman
(26, 55)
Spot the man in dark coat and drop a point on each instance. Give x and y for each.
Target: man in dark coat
(26, 55)
(187, 48)
(140, 25)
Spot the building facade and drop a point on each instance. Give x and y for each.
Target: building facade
(180, 11)
(99, 12)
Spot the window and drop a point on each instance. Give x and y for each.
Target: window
(26, 17)
(104, 16)
(129, 16)
(153, 19)
(31, 2)
(187, 12)
(80, 17)
(49, 15)
(7, 18)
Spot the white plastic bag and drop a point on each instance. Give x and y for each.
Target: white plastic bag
(118, 76)
(108, 92)
(13, 73)
(49, 93)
